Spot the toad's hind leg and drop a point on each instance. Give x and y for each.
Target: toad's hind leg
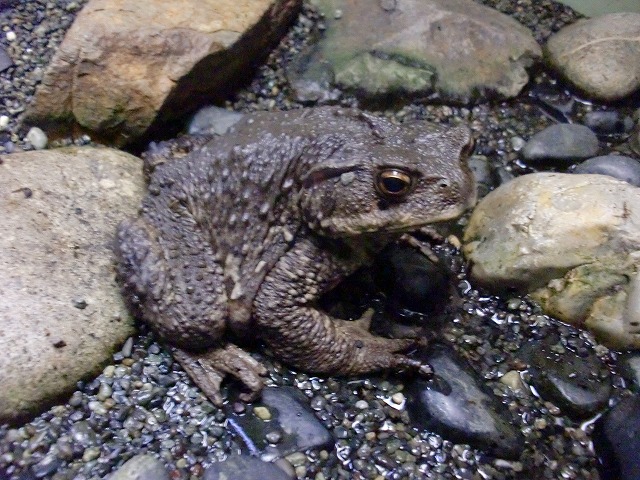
(177, 282)
(308, 338)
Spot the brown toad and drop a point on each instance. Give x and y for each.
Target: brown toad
(247, 232)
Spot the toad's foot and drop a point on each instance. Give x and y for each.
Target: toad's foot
(208, 369)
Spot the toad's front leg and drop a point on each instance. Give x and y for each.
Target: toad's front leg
(307, 338)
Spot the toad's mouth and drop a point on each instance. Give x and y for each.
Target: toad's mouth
(371, 223)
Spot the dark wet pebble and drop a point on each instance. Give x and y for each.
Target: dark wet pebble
(141, 467)
(484, 173)
(411, 280)
(608, 122)
(5, 60)
(455, 406)
(562, 143)
(213, 121)
(292, 421)
(244, 467)
(616, 166)
(629, 366)
(616, 439)
(47, 466)
(580, 385)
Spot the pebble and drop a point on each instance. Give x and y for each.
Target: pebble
(11, 36)
(616, 166)
(454, 405)
(5, 60)
(616, 438)
(579, 384)
(245, 467)
(608, 122)
(562, 143)
(262, 413)
(37, 138)
(141, 467)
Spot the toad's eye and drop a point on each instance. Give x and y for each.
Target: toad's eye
(393, 183)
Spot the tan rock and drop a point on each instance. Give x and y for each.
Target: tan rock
(601, 56)
(570, 241)
(127, 66)
(61, 311)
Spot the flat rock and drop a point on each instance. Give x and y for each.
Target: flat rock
(561, 143)
(5, 60)
(579, 384)
(455, 406)
(572, 242)
(244, 467)
(141, 467)
(616, 439)
(616, 166)
(61, 309)
(600, 56)
(456, 49)
(126, 68)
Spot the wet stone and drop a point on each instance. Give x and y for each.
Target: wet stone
(629, 365)
(5, 60)
(455, 406)
(616, 439)
(412, 281)
(246, 468)
(616, 166)
(141, 467)
(291, 417)
(562, 143)
(608, 122)
(213, 121)
(579, 384)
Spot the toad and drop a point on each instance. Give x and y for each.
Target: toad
(242, 236)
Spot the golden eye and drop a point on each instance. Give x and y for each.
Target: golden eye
(393, 183)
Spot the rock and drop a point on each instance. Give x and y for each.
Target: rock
(455, 406)
(600, 56)
(484, 173)
(412, 281)
(616, 439)
(5, 60)
(457, 49)
(244, 467)
(213, 121)
(290, 416)
(37, 138)
(141, 467)
(572, 242)
(579, 384)
(62, 314)
(563, 143)
(608, 122)
(128, 68)
(623, 168)
(629, 368)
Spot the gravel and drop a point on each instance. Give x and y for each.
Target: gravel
(144, 402)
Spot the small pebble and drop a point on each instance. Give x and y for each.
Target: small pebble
(37, 138)
(262, 413)
(11, 36)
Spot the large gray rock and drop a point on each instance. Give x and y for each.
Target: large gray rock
(601, 56)
(572, 242)
(60, 307)
(456, 48)
(126, 67)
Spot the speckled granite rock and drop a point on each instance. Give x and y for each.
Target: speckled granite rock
(62, 314)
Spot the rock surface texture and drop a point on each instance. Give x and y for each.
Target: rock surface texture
(600, 56)
(127, 67)
(456, 49)
(572, 242)
(62, 315)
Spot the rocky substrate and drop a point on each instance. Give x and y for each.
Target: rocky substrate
(515, 392)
